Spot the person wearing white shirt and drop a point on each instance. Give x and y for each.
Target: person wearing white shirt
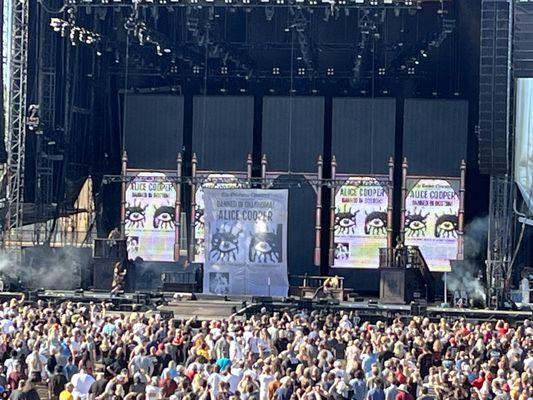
(214, 380)
(264, 380)
(233, 378)
(236, 349)
(82, 382)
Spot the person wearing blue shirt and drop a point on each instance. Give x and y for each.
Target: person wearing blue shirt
(368, 360)
(376, 393)
(358, 386)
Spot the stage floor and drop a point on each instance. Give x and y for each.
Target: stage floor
(208, 307)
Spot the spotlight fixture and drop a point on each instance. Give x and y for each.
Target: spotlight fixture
(330, 71)
(196, 69)
(275, 71)
(381, 71)
(301, 71)
(411, 71)
(224, 70)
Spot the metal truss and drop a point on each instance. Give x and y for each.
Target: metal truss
(500, 238)
(16, 119)
(253, 3)
(296, 180)
(46, 100)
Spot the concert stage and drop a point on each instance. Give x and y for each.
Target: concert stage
(207, 307)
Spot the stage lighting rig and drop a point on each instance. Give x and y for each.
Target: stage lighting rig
(76, 34)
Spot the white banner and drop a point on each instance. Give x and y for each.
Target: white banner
(246, 242)
(150, 216)
(212, 181)
(523, 159)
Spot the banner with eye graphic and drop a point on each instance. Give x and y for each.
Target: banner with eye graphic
(432, 220)
(209, 181)
(150, 216)
(360, 222)
(245, 242)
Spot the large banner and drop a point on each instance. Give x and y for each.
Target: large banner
(360, 222)
(432, 218)
(150, 216)
(246, 242)
(210, 181)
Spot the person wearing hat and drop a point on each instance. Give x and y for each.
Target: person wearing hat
(403, 393)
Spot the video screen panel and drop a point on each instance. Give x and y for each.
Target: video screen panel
(360, 222)
(432, 220)
(150, 216)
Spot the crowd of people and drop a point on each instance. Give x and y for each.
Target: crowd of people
(84, 351)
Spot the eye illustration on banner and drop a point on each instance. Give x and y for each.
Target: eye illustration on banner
(135, 215)
(415, 224)
(164, 217)
(265, 247)
(199, 217)
(345, 221)
(225, 244)
(446, 226)
(342, 251)
(376, 223)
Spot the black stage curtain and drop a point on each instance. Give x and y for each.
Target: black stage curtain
(153, 130)
(222, 131)
(435, 135)
(301, 225)
(363, 133)
(293, 126)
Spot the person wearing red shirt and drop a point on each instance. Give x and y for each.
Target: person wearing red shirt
(479, 381)
(403, 393)
(168, 385)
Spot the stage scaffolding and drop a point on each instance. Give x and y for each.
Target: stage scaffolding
(16, 121)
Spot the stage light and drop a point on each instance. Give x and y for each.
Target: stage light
(373, 2)
(417, 62)
(411, 71)
(280, 1)
(381, 71)
(56, 24)
(301, 71)
(330, 71)
(275, 71)
(167, 50)
(196, 69)
(224, 70)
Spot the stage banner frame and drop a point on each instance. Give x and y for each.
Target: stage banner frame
(151, 199)
(433, 217)
(246, 242)
(362, 219)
